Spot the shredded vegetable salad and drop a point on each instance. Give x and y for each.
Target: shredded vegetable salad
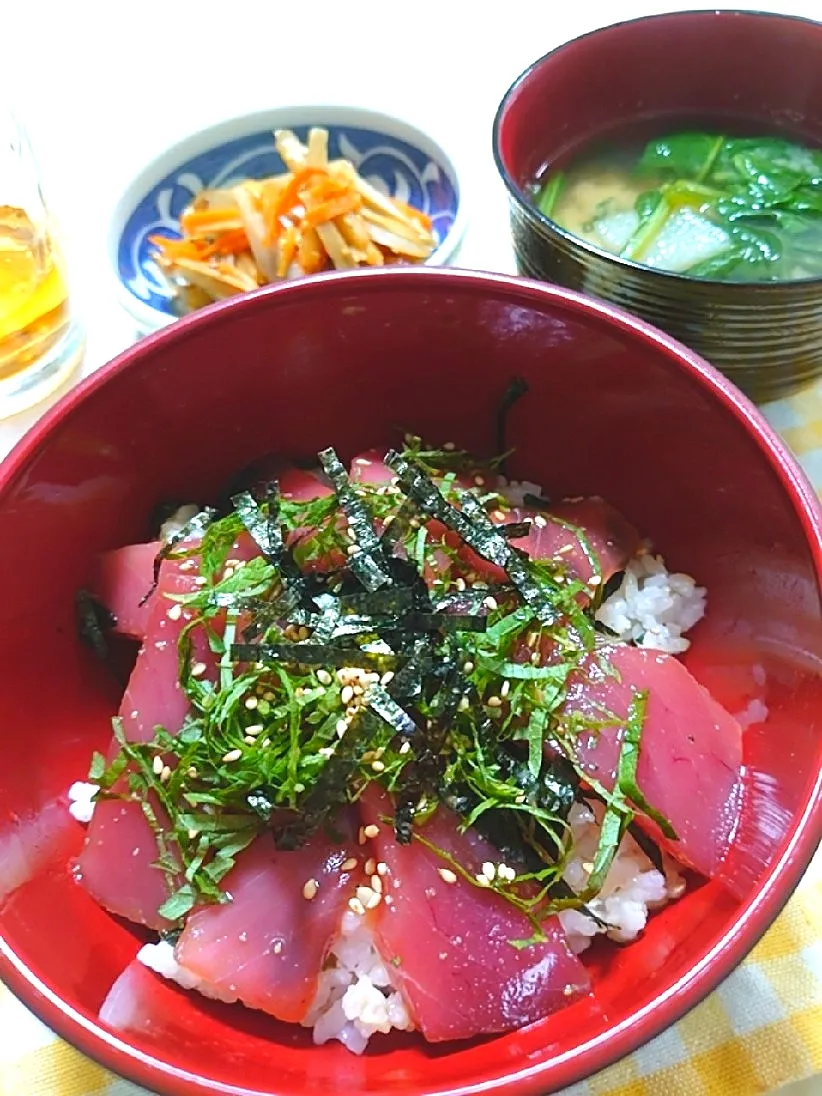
(319, 215)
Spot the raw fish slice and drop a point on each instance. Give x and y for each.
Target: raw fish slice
(154, 696)
(449, 944)
(297, 485)
(117, 864)
(139, 1002)
(606, 535)
(266, 946)
(691, 749)
(124, 576)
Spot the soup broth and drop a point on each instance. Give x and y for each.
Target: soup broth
(703, 204)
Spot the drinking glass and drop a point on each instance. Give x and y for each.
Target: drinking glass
(41, 342)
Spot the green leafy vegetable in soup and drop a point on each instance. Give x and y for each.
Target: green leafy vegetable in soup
(742, 209)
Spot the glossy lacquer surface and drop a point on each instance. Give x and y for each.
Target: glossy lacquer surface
(729, 71)
(614, 408)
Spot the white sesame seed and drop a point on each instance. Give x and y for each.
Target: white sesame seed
(370, 866)
(595, 580)
(266, 743)
(481, 881)
(299, 788)
(326, 751)
(353, 549)
(447, 875)
(378, 766)
(278, 947)
(535, 657)
(568, 991)
(479, 481)
(371, 830)
(382, 867)
(198, 669)
(192, 835)
(310, 888)
(165, 775)
(373, 901)
(349, 864)
(249, 739)
(268, 696)
(588, 866)
(468, 667)
(356, 906)
(490, 603)
(532, 639)
(199, 581)
(387, 677)
(347, 695)
(175, 612)
(251, 703)
(449, 446)
(459, 584)
(540, 521)
(364, 894)
(494, 702)
(506, 688)
(192, 772)
(341, 727)
(376, 884)
(233, 755)
(405, 747)
(324, 677)
(254, 729)
(464, 704)
(564, 550)
(489, 871)
(157, 765)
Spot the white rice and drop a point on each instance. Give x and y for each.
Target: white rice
(632, 888)
(81, 801)
(653, 607)
(176, 522)
(356, 996)
(160, 958)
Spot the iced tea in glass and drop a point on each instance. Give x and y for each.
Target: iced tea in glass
(40, 340)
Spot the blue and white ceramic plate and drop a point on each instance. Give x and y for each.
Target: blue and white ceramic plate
(392, 155)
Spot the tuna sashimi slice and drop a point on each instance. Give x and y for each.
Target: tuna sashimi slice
(449, 944)
(690, 761)
(154, 697)
(117, 863)
(267, 945)
(123, 578)
(611, 538)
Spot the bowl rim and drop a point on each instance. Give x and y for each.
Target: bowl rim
(757, 912)
(518, 196)
(212, 136)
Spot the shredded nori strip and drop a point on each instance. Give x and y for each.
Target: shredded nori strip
(311, 654)
(368, 562)
(93, 621)
(515, 530)
(486, 540)
(383, 705)
(193, 528)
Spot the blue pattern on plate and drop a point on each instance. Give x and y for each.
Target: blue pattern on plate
(393, 166)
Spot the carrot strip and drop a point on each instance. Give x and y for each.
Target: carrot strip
(195, 220)
(228, 243)
(289, 198)
(310, 253)
(335, 207)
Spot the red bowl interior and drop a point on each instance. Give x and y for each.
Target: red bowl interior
(750, 69)
(614, 408)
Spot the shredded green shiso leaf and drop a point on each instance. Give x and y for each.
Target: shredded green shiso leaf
(359, 647)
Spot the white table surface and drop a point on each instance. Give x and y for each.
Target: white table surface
(105, 85)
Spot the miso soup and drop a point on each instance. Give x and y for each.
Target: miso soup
(708, 205)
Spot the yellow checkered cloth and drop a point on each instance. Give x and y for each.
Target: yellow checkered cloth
(759, 1031)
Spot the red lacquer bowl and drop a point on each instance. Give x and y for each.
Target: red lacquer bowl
(614, 408)
(726, 71)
